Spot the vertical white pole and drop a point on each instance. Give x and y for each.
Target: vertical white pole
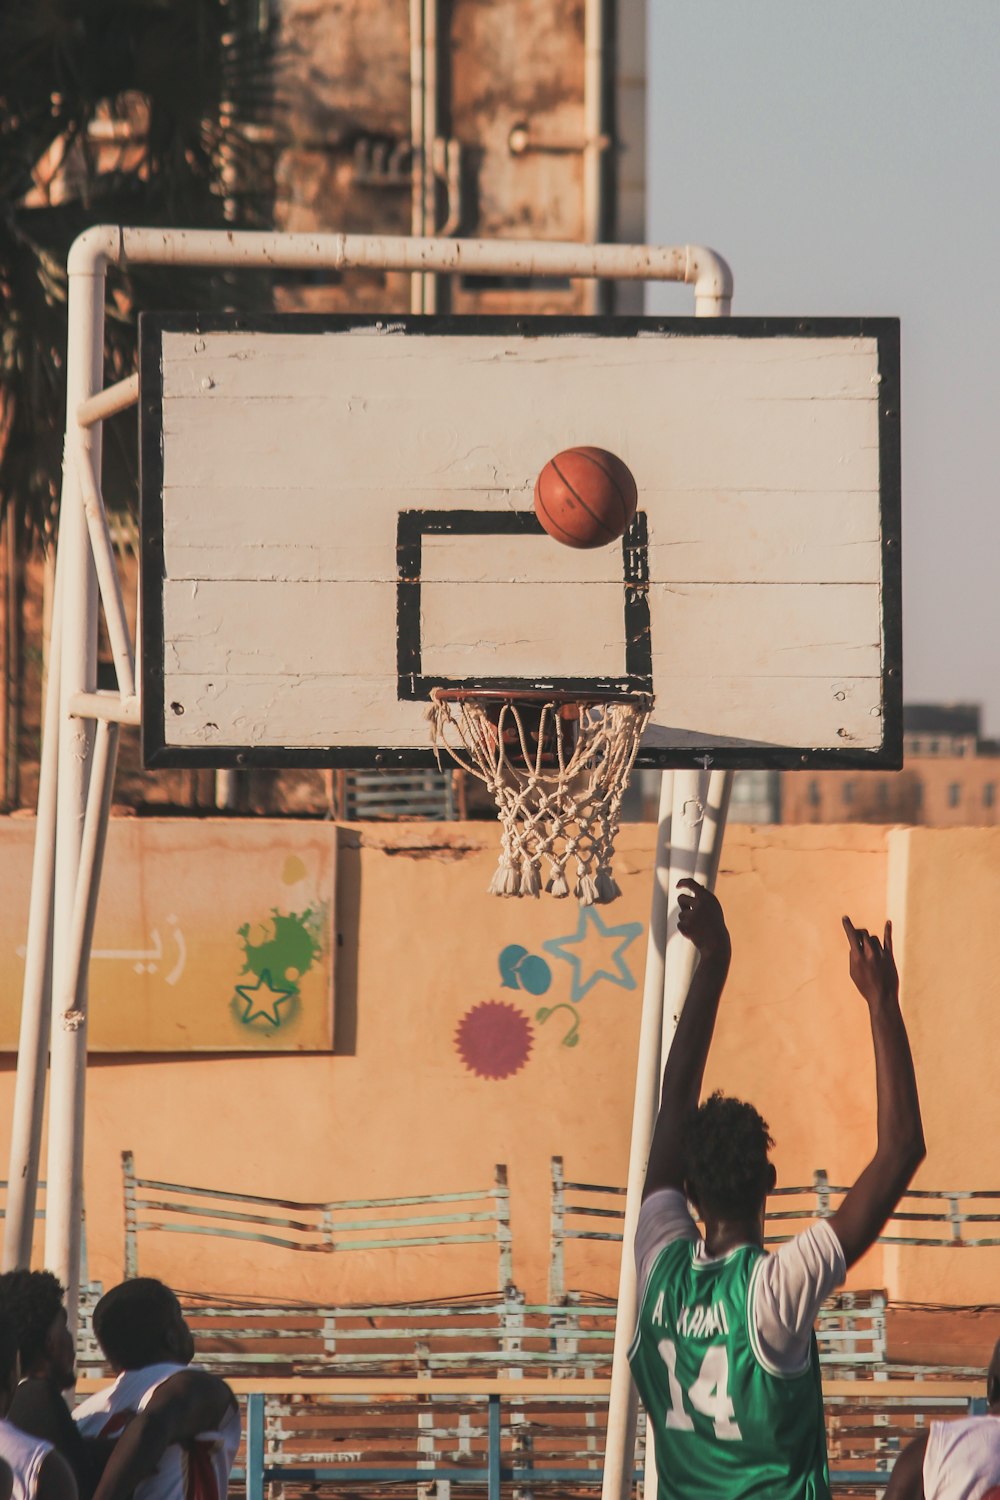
(690, 788)
(36, 1001)
(64, 1188)
(623, 1402)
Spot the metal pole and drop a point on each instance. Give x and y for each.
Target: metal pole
(84, 372)
(36, 1001)
(623, 1400)
(623, 1405)
(690, 790)
(696, 265)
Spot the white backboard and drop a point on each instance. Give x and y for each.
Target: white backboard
(337, 516)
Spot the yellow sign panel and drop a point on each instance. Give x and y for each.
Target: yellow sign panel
(211, 936)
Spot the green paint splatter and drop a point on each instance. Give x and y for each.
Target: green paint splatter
(288, 952)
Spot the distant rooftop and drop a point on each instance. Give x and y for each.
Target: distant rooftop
(942, 718)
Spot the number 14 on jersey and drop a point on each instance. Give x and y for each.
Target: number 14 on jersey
(709, 1394)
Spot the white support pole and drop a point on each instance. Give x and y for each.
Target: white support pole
(623, 1402)
(106, 705)
(84, 378)
(36, 999)
(696, 265)
(110, 401)
(103, 552)
(690, 790)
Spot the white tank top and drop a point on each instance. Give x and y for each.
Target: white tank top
(25, 1456)
(962, 1459)
(196, 1472)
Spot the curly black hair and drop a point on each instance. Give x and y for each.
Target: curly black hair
(725, 1156)
(30, 1301)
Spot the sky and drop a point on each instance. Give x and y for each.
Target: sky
(844, 158)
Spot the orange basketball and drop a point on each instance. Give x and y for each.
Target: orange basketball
(585, 497)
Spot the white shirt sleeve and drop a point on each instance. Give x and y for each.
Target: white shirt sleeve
(663, 1217)
(788, 1290)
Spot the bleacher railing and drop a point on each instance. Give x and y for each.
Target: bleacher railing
(592, 1211)
(416, 1220)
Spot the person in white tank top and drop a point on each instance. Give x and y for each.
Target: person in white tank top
(176, 1427)
(30, 1468)
(954, 1460)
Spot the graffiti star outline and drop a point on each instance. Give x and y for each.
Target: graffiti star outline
(621, 974)
(269, 1013)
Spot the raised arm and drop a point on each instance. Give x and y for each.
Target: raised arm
(701, 920)
(900, 1147)
(188, 1404)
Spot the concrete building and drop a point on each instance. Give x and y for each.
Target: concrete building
(516, 120)
(950, 778)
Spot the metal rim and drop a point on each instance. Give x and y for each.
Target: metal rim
(535, 696)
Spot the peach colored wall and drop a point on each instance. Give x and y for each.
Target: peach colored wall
(396, 1108)
(949, 885)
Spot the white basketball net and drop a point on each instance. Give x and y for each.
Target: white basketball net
(557, 782)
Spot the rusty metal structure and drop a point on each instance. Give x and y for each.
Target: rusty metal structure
(513, 120)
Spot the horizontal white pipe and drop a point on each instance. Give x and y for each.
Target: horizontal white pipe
(107, 570)
(108, 708)
(113, 399)
(105, 245)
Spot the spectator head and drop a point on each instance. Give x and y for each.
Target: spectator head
(32, 1303)
(139, 1323)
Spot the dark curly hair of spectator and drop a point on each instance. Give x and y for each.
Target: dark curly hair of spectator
(725, 1157)
(30, 1301)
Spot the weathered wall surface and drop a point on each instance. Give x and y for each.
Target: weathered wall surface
(945, 886)
(423, 1018)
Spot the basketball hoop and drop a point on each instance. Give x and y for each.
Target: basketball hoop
(556, 763)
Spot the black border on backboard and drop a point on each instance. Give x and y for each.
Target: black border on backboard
(414, 525)
(885, 331)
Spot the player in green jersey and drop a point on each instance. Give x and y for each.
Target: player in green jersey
(724, 1354)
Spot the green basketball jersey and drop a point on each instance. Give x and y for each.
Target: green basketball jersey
(726, 1427)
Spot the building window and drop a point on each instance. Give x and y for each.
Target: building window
(954, 794)
(848, 793)
(989, 793)
(813, 794)
(918, 796)
(932, 748)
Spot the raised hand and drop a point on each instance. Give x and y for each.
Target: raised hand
(700, 918)
(873, 967)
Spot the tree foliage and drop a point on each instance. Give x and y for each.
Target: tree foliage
(146, 112)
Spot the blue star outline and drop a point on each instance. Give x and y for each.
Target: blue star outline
(622, 936)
